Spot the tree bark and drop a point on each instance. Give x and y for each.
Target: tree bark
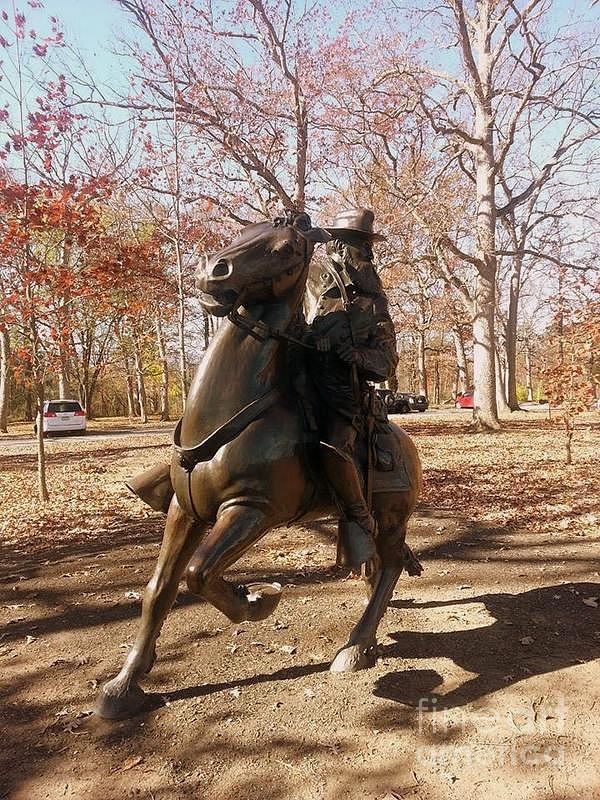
(4, 379)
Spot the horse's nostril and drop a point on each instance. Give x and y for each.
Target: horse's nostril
(221, 269)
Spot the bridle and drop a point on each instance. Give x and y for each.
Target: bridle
(258, 329)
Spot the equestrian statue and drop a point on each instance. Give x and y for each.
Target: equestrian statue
(281, 425)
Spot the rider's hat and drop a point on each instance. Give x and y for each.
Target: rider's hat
(355, 221)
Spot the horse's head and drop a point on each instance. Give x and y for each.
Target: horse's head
(260, 265)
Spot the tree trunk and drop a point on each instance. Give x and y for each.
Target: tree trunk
(141, 383)
(41, 455)
(511, 333)
(528, 379)
(130, 394)
(28, 406)
(164, 379)
(501, 402)
(181, 327)
(421, 365)
(462, 368)
(436, 383)
(64, 390)
(4, 380)
(485, 411)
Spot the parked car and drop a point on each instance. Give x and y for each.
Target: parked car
(63, 416)
(403, 402)
(465, 399)
(416, 402)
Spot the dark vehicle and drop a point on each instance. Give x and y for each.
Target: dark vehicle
(403, 402)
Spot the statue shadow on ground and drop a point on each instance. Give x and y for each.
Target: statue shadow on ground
(533, 633)
(563, 628)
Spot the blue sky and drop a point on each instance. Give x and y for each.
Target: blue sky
(95, 25)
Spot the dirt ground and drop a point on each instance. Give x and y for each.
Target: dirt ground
(488, 683)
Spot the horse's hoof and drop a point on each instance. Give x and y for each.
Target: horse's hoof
(355, 657)
(120, 700)
(263, 599)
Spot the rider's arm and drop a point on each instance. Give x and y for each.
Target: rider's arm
(378, 358)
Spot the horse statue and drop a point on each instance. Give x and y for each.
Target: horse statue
(242, 462)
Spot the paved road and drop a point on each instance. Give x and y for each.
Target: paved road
(17, 442)
(25, 442)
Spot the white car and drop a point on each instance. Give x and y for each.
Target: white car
(63, 416)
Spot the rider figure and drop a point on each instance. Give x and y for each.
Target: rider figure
(355, 344)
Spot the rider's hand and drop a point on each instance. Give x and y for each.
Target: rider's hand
(323, 344)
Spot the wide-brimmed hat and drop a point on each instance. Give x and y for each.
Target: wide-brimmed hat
(357, 221)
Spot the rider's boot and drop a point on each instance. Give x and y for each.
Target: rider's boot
(356, 540)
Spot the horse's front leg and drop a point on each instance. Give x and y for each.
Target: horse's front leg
(236, 529)
(122, 696)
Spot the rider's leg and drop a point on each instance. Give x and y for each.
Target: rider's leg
(338, 463)
(236, 529)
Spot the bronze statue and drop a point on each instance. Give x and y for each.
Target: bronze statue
(243, 462)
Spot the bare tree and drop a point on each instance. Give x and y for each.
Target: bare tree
(510, 72)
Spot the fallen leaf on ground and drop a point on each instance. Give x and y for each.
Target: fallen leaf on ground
(131, 762)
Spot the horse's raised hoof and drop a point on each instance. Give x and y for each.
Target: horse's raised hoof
(120, 700)
(355, 657)
(263, 599)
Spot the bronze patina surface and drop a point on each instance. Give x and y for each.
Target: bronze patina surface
(243, 462)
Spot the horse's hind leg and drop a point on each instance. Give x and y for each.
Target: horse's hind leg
(122, 697)
(236, 529)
